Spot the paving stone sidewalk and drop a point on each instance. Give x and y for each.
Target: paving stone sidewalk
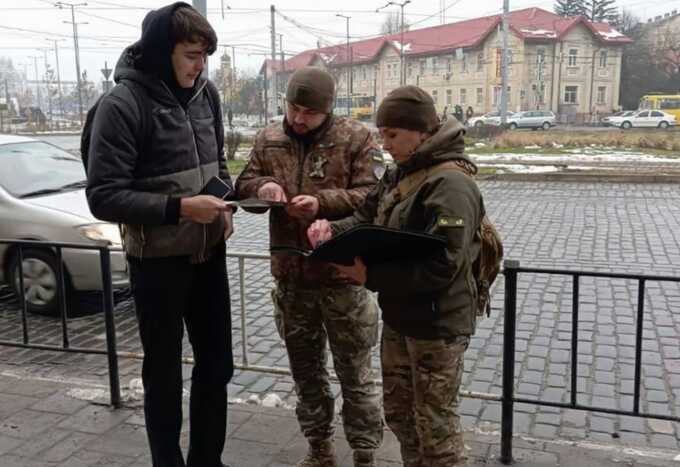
(52, 423)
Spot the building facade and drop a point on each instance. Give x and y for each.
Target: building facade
(568, 65)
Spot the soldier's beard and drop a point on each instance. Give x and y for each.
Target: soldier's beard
(300, 129)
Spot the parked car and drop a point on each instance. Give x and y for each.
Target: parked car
(648, 119)
(533, 119)
(42, 197)
(615, 119)
(491, 118)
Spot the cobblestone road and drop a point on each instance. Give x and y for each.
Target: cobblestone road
(608, 227)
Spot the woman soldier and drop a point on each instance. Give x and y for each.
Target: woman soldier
(429, 304)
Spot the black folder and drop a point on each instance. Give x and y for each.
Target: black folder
(375, 244)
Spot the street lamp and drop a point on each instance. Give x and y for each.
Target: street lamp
(402, 76)
(349, 68)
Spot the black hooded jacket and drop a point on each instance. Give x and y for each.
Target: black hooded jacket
(153, 143)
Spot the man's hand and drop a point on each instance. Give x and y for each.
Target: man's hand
(202, 209)
(303, 207)
(271, 191)
(355, 273)
(320, 231)
(228, 223)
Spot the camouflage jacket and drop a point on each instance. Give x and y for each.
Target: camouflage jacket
(339, 165)
(428, 297)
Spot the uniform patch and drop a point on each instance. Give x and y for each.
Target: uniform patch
(450, 221)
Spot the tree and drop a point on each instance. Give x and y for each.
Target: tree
(602, 11)
(392, 24)
(570, 7)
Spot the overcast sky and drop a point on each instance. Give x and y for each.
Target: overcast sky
(26, 26)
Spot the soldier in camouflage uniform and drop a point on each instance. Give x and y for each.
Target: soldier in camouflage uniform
(321, 166)
(429, 303)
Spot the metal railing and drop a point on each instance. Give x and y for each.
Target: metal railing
(511, 270)
(107, 303)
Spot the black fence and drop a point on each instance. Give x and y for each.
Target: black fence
(107, 304)
(511, 270)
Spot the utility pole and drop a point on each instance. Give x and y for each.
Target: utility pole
(349, 67)
(275, 88)
(56, 58)
(47, 87)
(402, 74)
(233, 74)
(72, 6)
(504, 65)
(37, 79)
(202, 7)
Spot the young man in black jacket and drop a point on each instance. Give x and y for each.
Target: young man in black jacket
(156, 141)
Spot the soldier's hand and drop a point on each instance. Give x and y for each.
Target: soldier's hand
(357, 273)
(202, 209)
(271, 191)
(303, 207)
(319, 232)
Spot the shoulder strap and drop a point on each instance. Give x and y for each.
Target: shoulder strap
(144, 130)
(213, 101)
(410, 184)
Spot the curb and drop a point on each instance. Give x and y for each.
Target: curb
(583, 177)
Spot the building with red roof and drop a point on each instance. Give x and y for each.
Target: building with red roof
(571, 66)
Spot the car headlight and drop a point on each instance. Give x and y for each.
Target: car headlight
(101, 232)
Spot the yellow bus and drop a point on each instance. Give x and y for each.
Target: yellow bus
(361, 107)
(669, 103)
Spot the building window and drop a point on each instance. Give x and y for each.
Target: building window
(573, 54)
(410, 69)
(496, 96)
(601, 94)
(464, 65)
(435, 65)
(480, 61)
(449, 97)
(480, 96)
(463, 96)
(423, 66)
(364, 73)
(449, 65)
(435, 96)
(540, 56)
(570, 94)
(603, 59)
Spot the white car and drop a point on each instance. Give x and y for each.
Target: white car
(42, 197)
(533, 119)
(615, 119)
(491, 118)
(648, 119)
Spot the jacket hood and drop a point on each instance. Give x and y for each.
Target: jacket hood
(446, 144)
(149, 60)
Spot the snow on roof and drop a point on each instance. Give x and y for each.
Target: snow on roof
(539, 32)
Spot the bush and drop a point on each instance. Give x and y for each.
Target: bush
(643, 139)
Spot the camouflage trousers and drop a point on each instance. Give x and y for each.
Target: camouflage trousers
(346, 317)
(421, 380)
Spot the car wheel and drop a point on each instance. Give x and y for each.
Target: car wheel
(513, 126)
(663, 124)
(546, 126)
(478, 124)
(626, 125)
(41, 281)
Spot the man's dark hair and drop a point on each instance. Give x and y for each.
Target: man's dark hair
(188, 25)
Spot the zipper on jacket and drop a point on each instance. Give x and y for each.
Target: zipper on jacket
(203, 252)
(143, 241)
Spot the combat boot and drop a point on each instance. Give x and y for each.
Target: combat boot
(320, 454)
(364, 458)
